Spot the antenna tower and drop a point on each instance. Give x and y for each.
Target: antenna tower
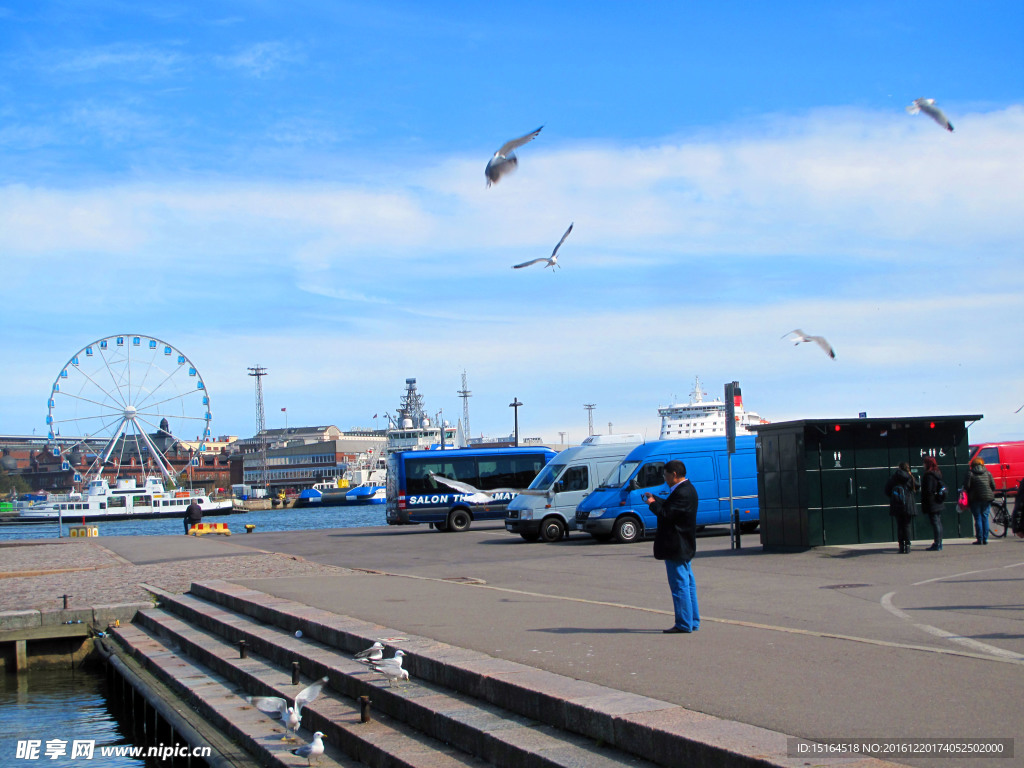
(261, 432)
(590, 416)
(465, 394)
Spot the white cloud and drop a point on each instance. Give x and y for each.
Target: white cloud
(263, 58)
(689, 257)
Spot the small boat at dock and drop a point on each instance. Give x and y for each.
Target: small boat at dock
(125, 501)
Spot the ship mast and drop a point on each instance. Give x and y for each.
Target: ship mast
(696, 396)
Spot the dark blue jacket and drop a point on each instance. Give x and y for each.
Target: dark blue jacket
(676, 537)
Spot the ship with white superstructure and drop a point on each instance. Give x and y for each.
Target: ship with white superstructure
(703, 418)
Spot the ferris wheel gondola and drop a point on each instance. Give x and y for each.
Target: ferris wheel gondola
(128, 400)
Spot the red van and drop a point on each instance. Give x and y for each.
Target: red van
(1005, 461)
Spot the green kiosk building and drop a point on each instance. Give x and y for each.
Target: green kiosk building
(822, 481)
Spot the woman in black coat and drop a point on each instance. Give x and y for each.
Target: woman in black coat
(931, 505)
(902, 505)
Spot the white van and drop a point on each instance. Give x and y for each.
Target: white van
(547, 509)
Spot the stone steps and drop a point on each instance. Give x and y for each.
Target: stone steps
(415, 724)
(460, 707)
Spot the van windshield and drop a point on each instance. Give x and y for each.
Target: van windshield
(547, 476)
(620, 475)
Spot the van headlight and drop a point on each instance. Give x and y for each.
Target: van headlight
(599, 512)
(526, 514)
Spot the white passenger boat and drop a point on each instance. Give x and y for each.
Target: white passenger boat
(703, 418)
(125, 501)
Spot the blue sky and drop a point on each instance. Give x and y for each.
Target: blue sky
(300, 185)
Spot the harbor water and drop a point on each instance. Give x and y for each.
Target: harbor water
(288, 519)
(58, 713)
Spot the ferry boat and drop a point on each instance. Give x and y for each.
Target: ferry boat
(703, 418)
(125, 501)
(367, 486)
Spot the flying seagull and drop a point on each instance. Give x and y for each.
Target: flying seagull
(504, 160)
(552, 260)
(313, 749)
(278, 708)
(374, 653)
(819, 340)
(1019, 409)
(928, 107)
(473, 495)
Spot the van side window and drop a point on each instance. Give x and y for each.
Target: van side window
(575, 479)
(989, 455)
(651, 475)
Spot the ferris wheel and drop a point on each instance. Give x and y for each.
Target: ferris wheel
(128, 400)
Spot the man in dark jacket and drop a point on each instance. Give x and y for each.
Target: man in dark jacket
(193, 515)
(675, 542)
(981, 490)
(900, 490)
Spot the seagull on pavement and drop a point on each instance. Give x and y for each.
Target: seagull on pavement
(313, 749)
(819, 340)
(928, 107)
(552, 260)
(374, 653)
(505, 160)
(472, 495)
(278, 708)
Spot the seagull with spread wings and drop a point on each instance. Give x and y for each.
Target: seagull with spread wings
(552, 260)
(278, 708)
(505, 160)
(928, 107)
(819, 340)
(472, 495)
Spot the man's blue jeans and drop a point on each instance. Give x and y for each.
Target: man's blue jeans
(684, 594)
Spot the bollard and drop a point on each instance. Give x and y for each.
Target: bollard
(736, 522)
(66, 601)
(364, 709)
(295, 673)
(241, 649)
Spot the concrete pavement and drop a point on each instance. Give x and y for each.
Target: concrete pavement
(834, 642)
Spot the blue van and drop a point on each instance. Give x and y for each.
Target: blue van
(415, 495)
(616, 510)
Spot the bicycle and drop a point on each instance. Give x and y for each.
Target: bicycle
(998, 518)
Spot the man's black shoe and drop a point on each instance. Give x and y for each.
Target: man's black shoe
(675, 631)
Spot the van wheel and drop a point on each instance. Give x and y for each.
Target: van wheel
(459, 520)
(531, 536)
(627, 529)
(552, 529)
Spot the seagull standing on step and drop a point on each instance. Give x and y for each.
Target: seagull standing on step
(392, 668)
(278, 708)
(311, 750)
(504, 160)
(819, 340)
(374, 653)
(552, 260)
(928, 107)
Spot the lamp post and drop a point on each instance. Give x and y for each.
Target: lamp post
(514, 405)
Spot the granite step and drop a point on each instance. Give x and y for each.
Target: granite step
(429, 724)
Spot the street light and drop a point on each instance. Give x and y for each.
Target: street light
(514, 405)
